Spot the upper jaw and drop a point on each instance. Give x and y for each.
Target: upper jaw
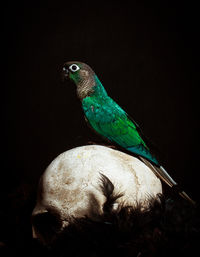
(65, 73)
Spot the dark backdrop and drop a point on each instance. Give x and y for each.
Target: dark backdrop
(146, 55)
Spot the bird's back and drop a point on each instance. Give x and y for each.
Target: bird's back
(107, 118)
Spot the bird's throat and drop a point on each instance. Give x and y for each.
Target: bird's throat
(85, 87)
(90, 87)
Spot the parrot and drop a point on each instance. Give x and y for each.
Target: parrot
(112, 122)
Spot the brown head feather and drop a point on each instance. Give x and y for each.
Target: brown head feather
(83, 78)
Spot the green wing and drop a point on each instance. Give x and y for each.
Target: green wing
(111, 121)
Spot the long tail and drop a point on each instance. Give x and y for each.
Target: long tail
(163, 175)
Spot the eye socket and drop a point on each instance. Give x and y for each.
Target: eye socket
(74, 68)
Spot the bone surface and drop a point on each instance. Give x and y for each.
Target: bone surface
(71, 185)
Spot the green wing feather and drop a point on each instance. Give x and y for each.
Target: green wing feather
(111, 121)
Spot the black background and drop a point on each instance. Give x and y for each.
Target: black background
(146, 56)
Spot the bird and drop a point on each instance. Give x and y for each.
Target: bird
(112, 122)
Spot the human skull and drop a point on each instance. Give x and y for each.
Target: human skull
(71, 187)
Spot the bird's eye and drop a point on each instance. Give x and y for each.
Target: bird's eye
(74, 67)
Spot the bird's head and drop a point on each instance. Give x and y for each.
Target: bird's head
(82, 75)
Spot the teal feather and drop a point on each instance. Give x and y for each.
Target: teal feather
(107, 118)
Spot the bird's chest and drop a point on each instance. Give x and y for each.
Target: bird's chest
(98, 111)
(92, 110)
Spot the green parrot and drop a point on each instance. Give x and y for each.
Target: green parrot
(109, 120)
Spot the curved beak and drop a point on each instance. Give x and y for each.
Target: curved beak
(64, 73)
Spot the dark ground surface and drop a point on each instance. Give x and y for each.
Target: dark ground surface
(147, 57)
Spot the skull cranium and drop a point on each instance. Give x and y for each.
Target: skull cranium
(71, 187)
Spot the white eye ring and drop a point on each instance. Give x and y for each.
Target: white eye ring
(74, 67)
